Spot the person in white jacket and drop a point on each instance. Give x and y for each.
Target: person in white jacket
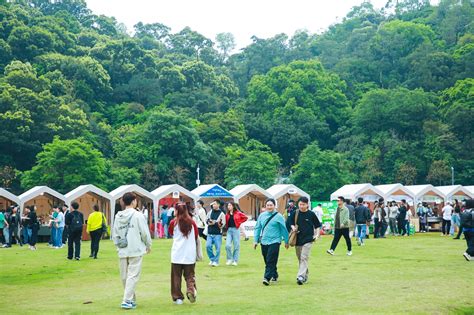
(132, 239)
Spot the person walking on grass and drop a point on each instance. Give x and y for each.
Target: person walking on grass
(74, 221)
(307, 225)
(270, 230)
(60, 223)
(33, 226)
(362, 217)
(131, 236)
(447, 215)
(467, 226)
(184, 232)
(233, 219)
(341, 227)
(402, 216)
(392, 217)
(215, 224)
(14, 226)
(95, 227)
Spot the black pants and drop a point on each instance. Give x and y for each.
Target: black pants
(95, 240)
(470, 242)
(14, 234)
(377, 227)
(337, 236)
(383, 229)
(34, 234)
(74, 244)
(65, 234)
(270, 255)
(446, 226)
(402, 226)
(201, 233)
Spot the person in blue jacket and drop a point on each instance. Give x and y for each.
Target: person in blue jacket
(270, 230)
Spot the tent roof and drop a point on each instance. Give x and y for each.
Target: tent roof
(276, 191)
(422, 190)
(164, 190)
(6, 194)
(394, 189)
(211, 190)
(452, 190)
(118, 192)
(241, 190)
(39, 190)
(354, 190)
(84, 189)
(470, 189)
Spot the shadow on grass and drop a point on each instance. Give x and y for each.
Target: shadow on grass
(469, 310)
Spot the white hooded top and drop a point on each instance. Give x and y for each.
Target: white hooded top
(184, 248)
(138, 236)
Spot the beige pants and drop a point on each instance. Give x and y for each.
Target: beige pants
(303, 252)
(130, 269)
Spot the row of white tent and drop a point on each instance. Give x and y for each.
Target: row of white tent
(413, 194)
(204, 192)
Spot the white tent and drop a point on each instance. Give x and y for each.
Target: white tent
(284, 192)
(470, 189)
(174, 191)
(426, 193)
(87, 196)
(39, 191)
(9, 198)
(353, 191)
(118, 193)
(395, 192)
(250, 198)
(455, 192)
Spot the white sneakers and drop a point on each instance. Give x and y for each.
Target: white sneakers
(178, 302)
(468, 257)
(349, 253)
(234, 263)
(229, 262)
(330, 252)
(214, 264)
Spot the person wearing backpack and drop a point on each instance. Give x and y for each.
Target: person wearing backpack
(131, 236)
(467, 226)
(270, 230)
(74, 221)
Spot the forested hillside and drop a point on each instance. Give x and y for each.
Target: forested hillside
(383, 96)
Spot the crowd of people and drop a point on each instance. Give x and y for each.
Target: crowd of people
(300, 228)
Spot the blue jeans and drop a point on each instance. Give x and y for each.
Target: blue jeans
(58, 238)
(407, 222)
(26, 235)
(6, 234)
(233, 237)
(52, 238)
(217, 241)
(362, 230)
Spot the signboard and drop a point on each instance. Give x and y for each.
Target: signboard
(292, 191)
(329, 213)
(216, 191)
(249, 228)
(175, 194)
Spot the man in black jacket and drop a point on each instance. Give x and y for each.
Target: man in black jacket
(74, 221)
(467, 226)
(362, 218)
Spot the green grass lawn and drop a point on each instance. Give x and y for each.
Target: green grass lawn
(425, 274)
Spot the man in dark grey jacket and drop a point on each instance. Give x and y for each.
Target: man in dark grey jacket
(362, 218)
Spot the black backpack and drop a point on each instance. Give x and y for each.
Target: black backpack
(76, 221)
(467, 218)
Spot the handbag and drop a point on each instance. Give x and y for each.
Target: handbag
(294, 233)
(198, 250)
(104, 226)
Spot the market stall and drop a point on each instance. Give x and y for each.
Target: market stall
(207, 193)
(7, 199)
(169, 195)
(44, 198)
(370, 193)
(144, 198)
(431, 196)
(282, 193)
(453, 192)
(87, 196)
(251, 198)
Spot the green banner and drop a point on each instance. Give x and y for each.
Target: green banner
(329, 212)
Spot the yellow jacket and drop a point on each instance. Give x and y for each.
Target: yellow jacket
(94, 222)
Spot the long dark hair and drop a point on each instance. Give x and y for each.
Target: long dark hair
(183, 219)
(235, 206)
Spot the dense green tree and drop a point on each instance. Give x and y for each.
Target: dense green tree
(320, 172)
(255, 163)
(66, 164)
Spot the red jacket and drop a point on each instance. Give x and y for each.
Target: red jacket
(239, 218)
